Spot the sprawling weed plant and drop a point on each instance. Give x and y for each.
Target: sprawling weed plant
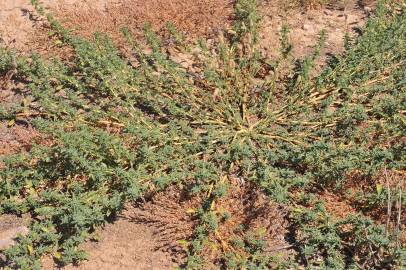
(118, 128)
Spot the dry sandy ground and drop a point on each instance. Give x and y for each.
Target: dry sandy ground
(126, 244)
(23, 30)
(123, 245)
(336, 19)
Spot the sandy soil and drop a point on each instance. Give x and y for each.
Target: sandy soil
(16, 26)
(23, 30)
(127, 243)
(305, 26)
(123, 245)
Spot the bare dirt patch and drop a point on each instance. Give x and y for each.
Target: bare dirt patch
(23, 31)
(16, 24)
(305, 25)
(124, 244)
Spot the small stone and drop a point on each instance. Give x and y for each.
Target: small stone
(328, 12)
(307, 27)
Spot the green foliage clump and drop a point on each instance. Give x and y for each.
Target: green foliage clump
(354, 242)
(6, 60)
(123, 127)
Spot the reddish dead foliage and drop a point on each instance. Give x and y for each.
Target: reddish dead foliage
(193, 18)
